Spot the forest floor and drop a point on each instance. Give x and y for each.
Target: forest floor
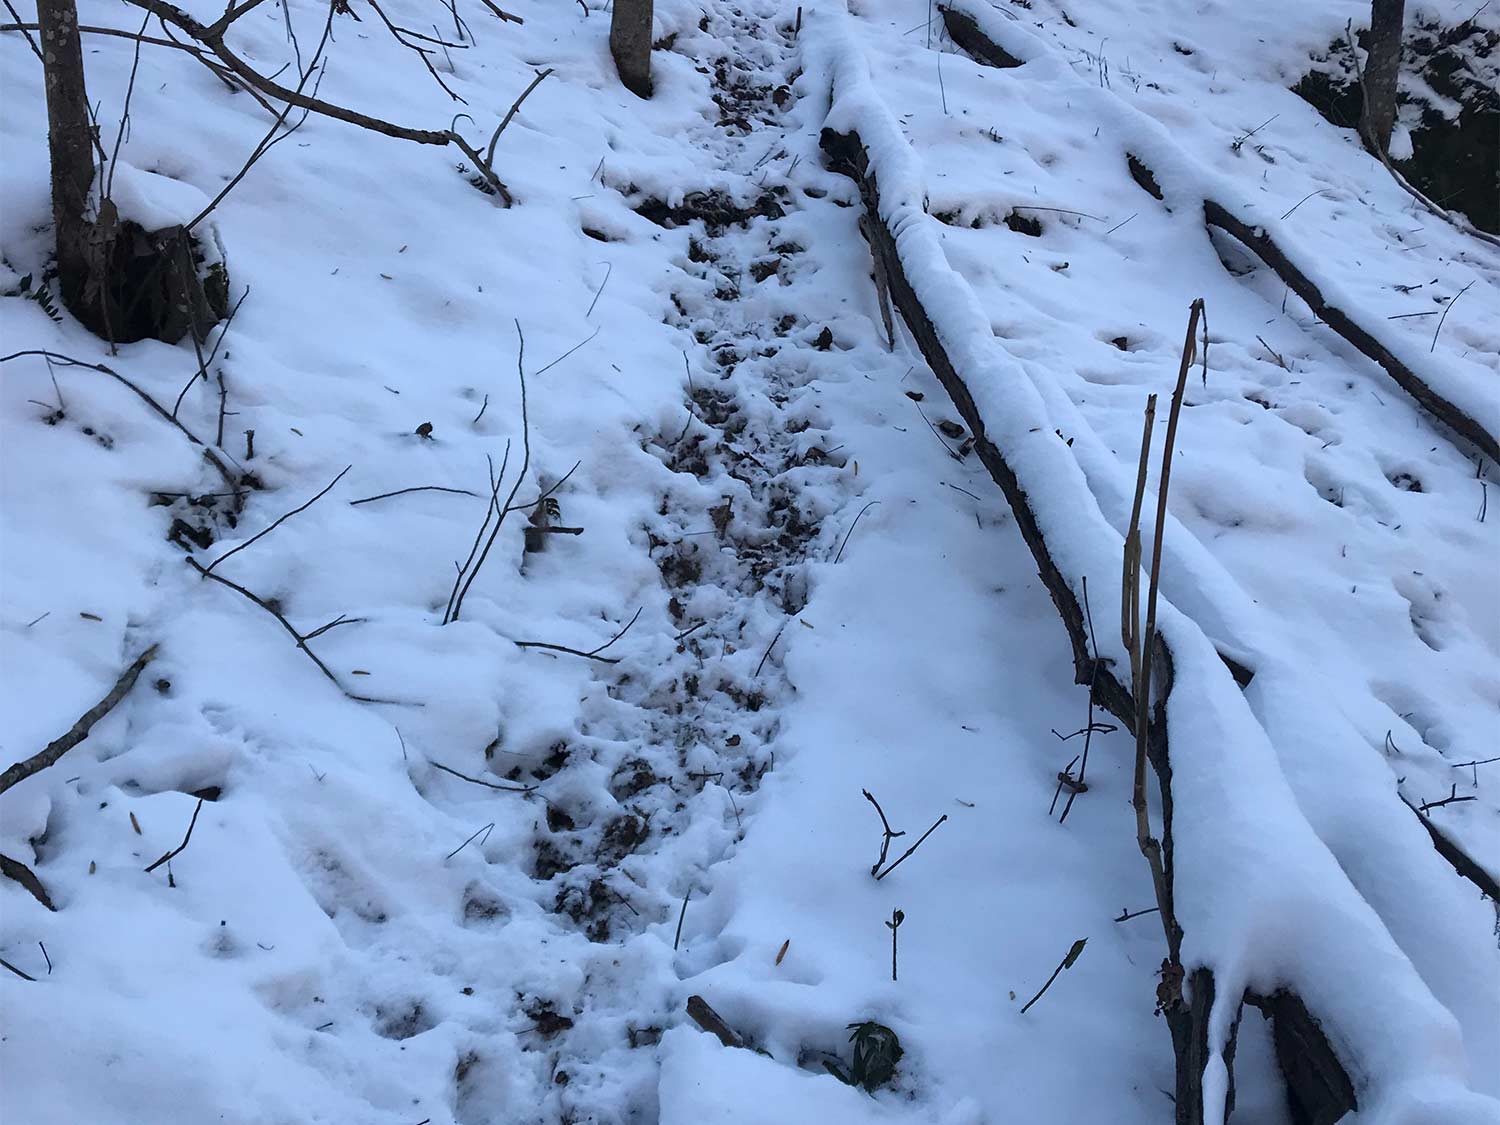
(471, 872)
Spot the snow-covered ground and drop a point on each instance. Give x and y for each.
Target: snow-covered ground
(807, 585)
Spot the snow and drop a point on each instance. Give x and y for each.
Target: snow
(354, 934)
(150, 199)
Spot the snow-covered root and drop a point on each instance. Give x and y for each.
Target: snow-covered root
(1467, 410)
(1264, 905)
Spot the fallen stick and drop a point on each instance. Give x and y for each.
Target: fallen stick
(966, 32)
(178, 850)
(1186, 999)
(208, 454)
(711, 1022)
(55, 749)
(1462, 862)
(18, 872)
(1267, 250)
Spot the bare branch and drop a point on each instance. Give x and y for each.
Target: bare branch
(418, 488)
(179, 848)
(489, 155)
(66, 361)
(79, 730)
(279, 522)
(24, 29)
(212, 37)
(468, 582)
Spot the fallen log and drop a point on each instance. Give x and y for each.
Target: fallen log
(1267, 250)
(965, 31)
(1187, 1022)
(1462, 862)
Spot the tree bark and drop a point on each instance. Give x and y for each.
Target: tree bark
(70, 144)
(1382, 65)
(630, 44)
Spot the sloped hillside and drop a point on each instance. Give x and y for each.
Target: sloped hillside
(473, 681)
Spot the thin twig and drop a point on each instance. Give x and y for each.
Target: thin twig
(212, 37)
(285, 624)
(25, 30)
(852, 526)
(913, 848)
(67, 361)
(486, 832)
(481, 781)
(885, 826)
(463, 591)
(1451, 799)
(1089, 726)
(18, 972)
(276, 133)
(1446, 311)
(135, 65)
(765, 655)
(564, 648)
(490, 509)
(505, 17)
(180, 847)
(279, 522)
(1067, 963)
(609, 268)
(897, 917)
(566, 354)
(55, 749)
(676, 941)
(418, 488)
(205, 364)
(1304, 199)
(489, 155)
(542, 496)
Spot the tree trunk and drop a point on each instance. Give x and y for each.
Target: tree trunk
(70, 144)
(1382, 64)
(630, 44)
(122, 282)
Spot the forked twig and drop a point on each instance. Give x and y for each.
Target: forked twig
(914, 847)
(464, 582)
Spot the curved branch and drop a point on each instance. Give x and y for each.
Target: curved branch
(212, 37)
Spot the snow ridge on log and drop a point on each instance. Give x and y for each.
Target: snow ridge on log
(1222, 210)
(1245, 852)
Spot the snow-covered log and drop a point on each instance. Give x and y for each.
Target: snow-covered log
(1468, 411)
(1241, 854)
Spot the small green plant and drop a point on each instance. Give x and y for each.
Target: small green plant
(877, 1050)
(41, 295)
